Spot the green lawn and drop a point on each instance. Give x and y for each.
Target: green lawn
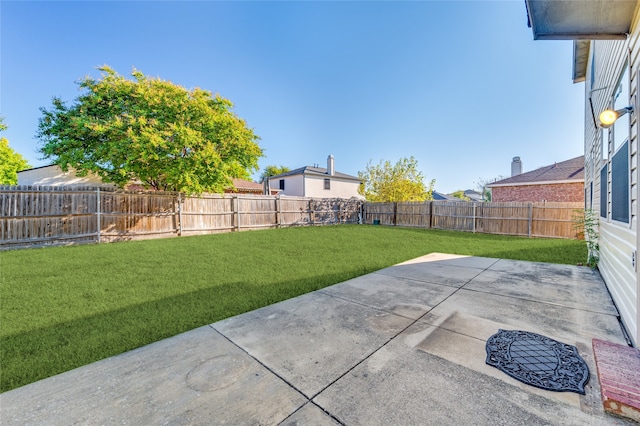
(63, 307)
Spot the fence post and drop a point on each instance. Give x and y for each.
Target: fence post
(236, 207)
(98, 214)
(395, 214)
(474, 216)
(431, 214)
(530, 219)
(278, 212)
(180, 214)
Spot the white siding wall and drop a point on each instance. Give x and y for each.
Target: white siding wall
(314, 187)
(293, 185)
(54, 176)
(618, 241)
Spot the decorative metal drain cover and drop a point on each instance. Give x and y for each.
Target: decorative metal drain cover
(538, 360)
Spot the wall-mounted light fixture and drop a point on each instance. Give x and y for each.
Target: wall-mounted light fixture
(609, 116)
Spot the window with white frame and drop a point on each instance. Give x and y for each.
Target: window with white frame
(621, 100)
(604, 172)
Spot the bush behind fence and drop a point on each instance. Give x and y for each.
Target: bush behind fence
(37, 216)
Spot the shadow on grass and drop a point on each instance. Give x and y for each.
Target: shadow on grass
(37, 354)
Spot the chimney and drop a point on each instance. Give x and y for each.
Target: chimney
(516, 167)
(330, 167)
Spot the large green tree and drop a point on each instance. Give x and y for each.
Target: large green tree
(273, 170)
(11, 162)
(402, 181)
(151, 131)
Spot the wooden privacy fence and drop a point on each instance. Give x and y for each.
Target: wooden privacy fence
(35, 216)
(555, 220)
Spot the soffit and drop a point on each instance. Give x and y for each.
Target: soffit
(580, 19)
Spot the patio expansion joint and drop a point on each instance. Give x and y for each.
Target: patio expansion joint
(364, 305)
(418, 281)
(560, 305)
(291, 385)
(413, 322)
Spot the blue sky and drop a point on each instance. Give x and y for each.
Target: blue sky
(459, 85)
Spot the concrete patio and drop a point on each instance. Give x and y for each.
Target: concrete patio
(402, 346)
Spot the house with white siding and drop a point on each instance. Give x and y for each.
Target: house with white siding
(316, 182)
(606, 58)
(53, 175)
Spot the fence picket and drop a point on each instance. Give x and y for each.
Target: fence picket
(522, 219)
(37, 216)
(32, 216)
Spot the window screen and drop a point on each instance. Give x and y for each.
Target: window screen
(603, 191)
(327, 184)
(620, 184)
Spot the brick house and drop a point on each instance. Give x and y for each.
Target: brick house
(559, 182)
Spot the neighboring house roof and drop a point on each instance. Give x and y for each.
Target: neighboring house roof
(473, 195)
(564, 172)
(246, 187)
(315, 171)
(439, 196)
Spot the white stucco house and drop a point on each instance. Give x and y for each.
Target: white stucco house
(606, 57)
(316, 182)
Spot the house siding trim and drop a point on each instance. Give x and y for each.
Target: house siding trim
(547, 182)
(619, 241)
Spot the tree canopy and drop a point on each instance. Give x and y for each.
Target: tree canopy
(149, 131)
(273, 170)
(402, 181)
(11, 162)
(460, 194)
(481, 186)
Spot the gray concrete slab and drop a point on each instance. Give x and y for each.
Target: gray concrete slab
(547, 272)
(407, 386)
(477, 314)
(402, 346)
(310, 414)
(312, 340)
(432, 271)
(196, 377)
(401, 296)
(569, 290)
(573, 286)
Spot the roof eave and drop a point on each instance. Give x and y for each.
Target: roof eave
(547, 182)
(579, 19)
(580, 59)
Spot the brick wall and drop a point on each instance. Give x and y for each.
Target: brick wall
(562, 193)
